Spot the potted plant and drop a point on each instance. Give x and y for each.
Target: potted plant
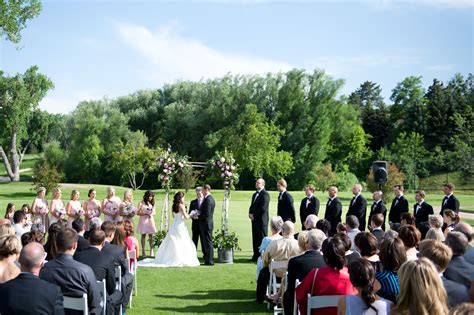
(225, 243)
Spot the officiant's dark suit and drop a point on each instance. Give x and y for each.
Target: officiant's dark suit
(307, 208)
(285, 208)
(28, 294)
(195, 205)
(378, 207)
(206, 225)
(259, 211)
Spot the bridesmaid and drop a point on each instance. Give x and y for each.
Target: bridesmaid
(111, 206)
(74, 208)
(127, 209)
(40, 208)
(10, 211)
(58, 212)
(91, 207)
(146, 224)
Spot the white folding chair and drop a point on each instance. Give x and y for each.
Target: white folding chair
(118, 281)
(321, 301)
(103, 294)
(77, 304)
(273, 285)
(295, 304)
(278, 308)
(132, 266)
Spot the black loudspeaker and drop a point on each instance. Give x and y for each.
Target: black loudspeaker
(379, 169)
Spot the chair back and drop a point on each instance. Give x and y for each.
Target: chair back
(322, 301)
(274, 265)
(295, 304)
(77, 303)
(118, 278)
(101, 287)
(132, 261)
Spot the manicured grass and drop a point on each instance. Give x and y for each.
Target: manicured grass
(219, 289)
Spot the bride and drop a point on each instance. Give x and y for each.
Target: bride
(177, 249)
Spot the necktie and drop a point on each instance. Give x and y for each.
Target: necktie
(445, 200)
(279, 197)
(329, 202)
(256, 196)
(308, 201)
(353, 200)
(396, 201)
(418, 206)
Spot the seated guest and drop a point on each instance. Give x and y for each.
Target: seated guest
(27, 293)
(390, 234)
(51, 247)
(352, 225)
(362, 277)
(19, 223)
(281, 249)
(350, 254)
(341, 228)
(366, 244)
(4, 221)
(376, 222)
(120, 259)
(94, 224)
(421, 289)
(440, 255)
(392, 255)
(79, 226)
(130, 240)
(407, 218)
(119, 236)
(435, 234)
(451, 219)
(395, 227)
(463, 309)
(32, 236)
(300, 266)
(276, 224)
(330, 280)
(324, 225)
(9, 251)
(7, 229)
(410, 237)
(309, 223)
(74, 278)
(435, 221)
(459, 270)
(466, 229)
(423, 227)
(103, 266)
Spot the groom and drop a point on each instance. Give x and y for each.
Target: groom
(206, 224)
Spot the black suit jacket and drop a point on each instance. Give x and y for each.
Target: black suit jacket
(379, 235)
(194, 205)
(285, 208)
(422, 214)
(82, 243)
(28, 294)
(101, 263)
(333, 214)
(259, 207)
(313, 208)
(378, 208)
(207, 209)
(358, 208)
(298, 268)
(460, 271)
(397, 208)
(452, 204)
(118, 253)
(457, 293)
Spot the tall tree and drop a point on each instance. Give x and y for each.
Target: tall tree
(13, 17)
(19, 97)
(437, 117)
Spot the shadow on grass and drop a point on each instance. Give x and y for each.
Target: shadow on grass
(231, 294)
(18, 195)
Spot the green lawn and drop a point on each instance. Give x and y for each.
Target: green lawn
(218, 289)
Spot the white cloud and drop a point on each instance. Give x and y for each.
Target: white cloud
(174, 57)
(62, 104)
(441, 68)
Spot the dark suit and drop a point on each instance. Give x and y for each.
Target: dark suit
(378, 233)
(206, 227)
(422, 212)
(457, 293)
(460, 271)
(118, 253)
(451, 203)
(358, 208)
(74, 279)
(308, 208)
(399, 206)
(333, 214)
(285, 208)
(194, 205)
(28, 294)
(298, 268)
(259, 209)
(378, 207)
(82, 243)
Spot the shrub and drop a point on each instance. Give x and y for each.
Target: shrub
(46, 175)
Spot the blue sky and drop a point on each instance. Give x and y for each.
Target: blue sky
(95, 49)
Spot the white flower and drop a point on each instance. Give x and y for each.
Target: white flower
(222, 159)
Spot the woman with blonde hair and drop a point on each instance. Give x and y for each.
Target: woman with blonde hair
(127, 209)
(421, 289)
(111, 206)
(40, 207)
(58, 211)
(10, 248)
(74, 208)
(435, 234)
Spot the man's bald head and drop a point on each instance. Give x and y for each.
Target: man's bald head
(31, 257)
(4, 221)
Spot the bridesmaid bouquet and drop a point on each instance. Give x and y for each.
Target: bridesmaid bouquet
(41, 210)
(79, 212)
(129, 210)
(61, 213)
(113, 211)
(93, 214)
(148, 211)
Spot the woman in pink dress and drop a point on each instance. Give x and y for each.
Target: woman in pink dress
(40, 208)
(111, 206)
(58, 211)
(127, 208)
(74, 208)
(91, 207)
(146, 224)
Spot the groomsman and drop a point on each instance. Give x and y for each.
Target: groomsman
(333, 210)
(258, 214)
(285, 208)
(378, 206)
(421, 210)
(358, 206)
(399, 205)
(450, 201)
(196, 205)
(309, 205)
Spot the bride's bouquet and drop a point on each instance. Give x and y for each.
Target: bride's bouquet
(79, 212)
(41, 210)
(129, 210)
(94, 213)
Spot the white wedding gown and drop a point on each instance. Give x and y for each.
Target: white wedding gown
(176, 250)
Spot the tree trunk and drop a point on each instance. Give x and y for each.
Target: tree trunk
(12, 167)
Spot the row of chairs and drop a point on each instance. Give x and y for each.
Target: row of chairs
(314, 302)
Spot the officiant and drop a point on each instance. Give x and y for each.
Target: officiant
(195, 206)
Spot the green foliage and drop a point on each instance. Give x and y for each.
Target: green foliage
(13, 17)
(323, 177)
(188, 178)
(46, 175)
(54, 155)
(158, 238)
(170, 165)
(222, 240)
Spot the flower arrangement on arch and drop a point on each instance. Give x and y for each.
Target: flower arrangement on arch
(224, 163)
(169, 165)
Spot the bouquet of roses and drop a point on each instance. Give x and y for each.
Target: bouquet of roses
(93, 214)
(112, 210)
(148, 210)
(60, 213)
(42, 210)
(129, 210)
(226, 167)
(79, 212)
